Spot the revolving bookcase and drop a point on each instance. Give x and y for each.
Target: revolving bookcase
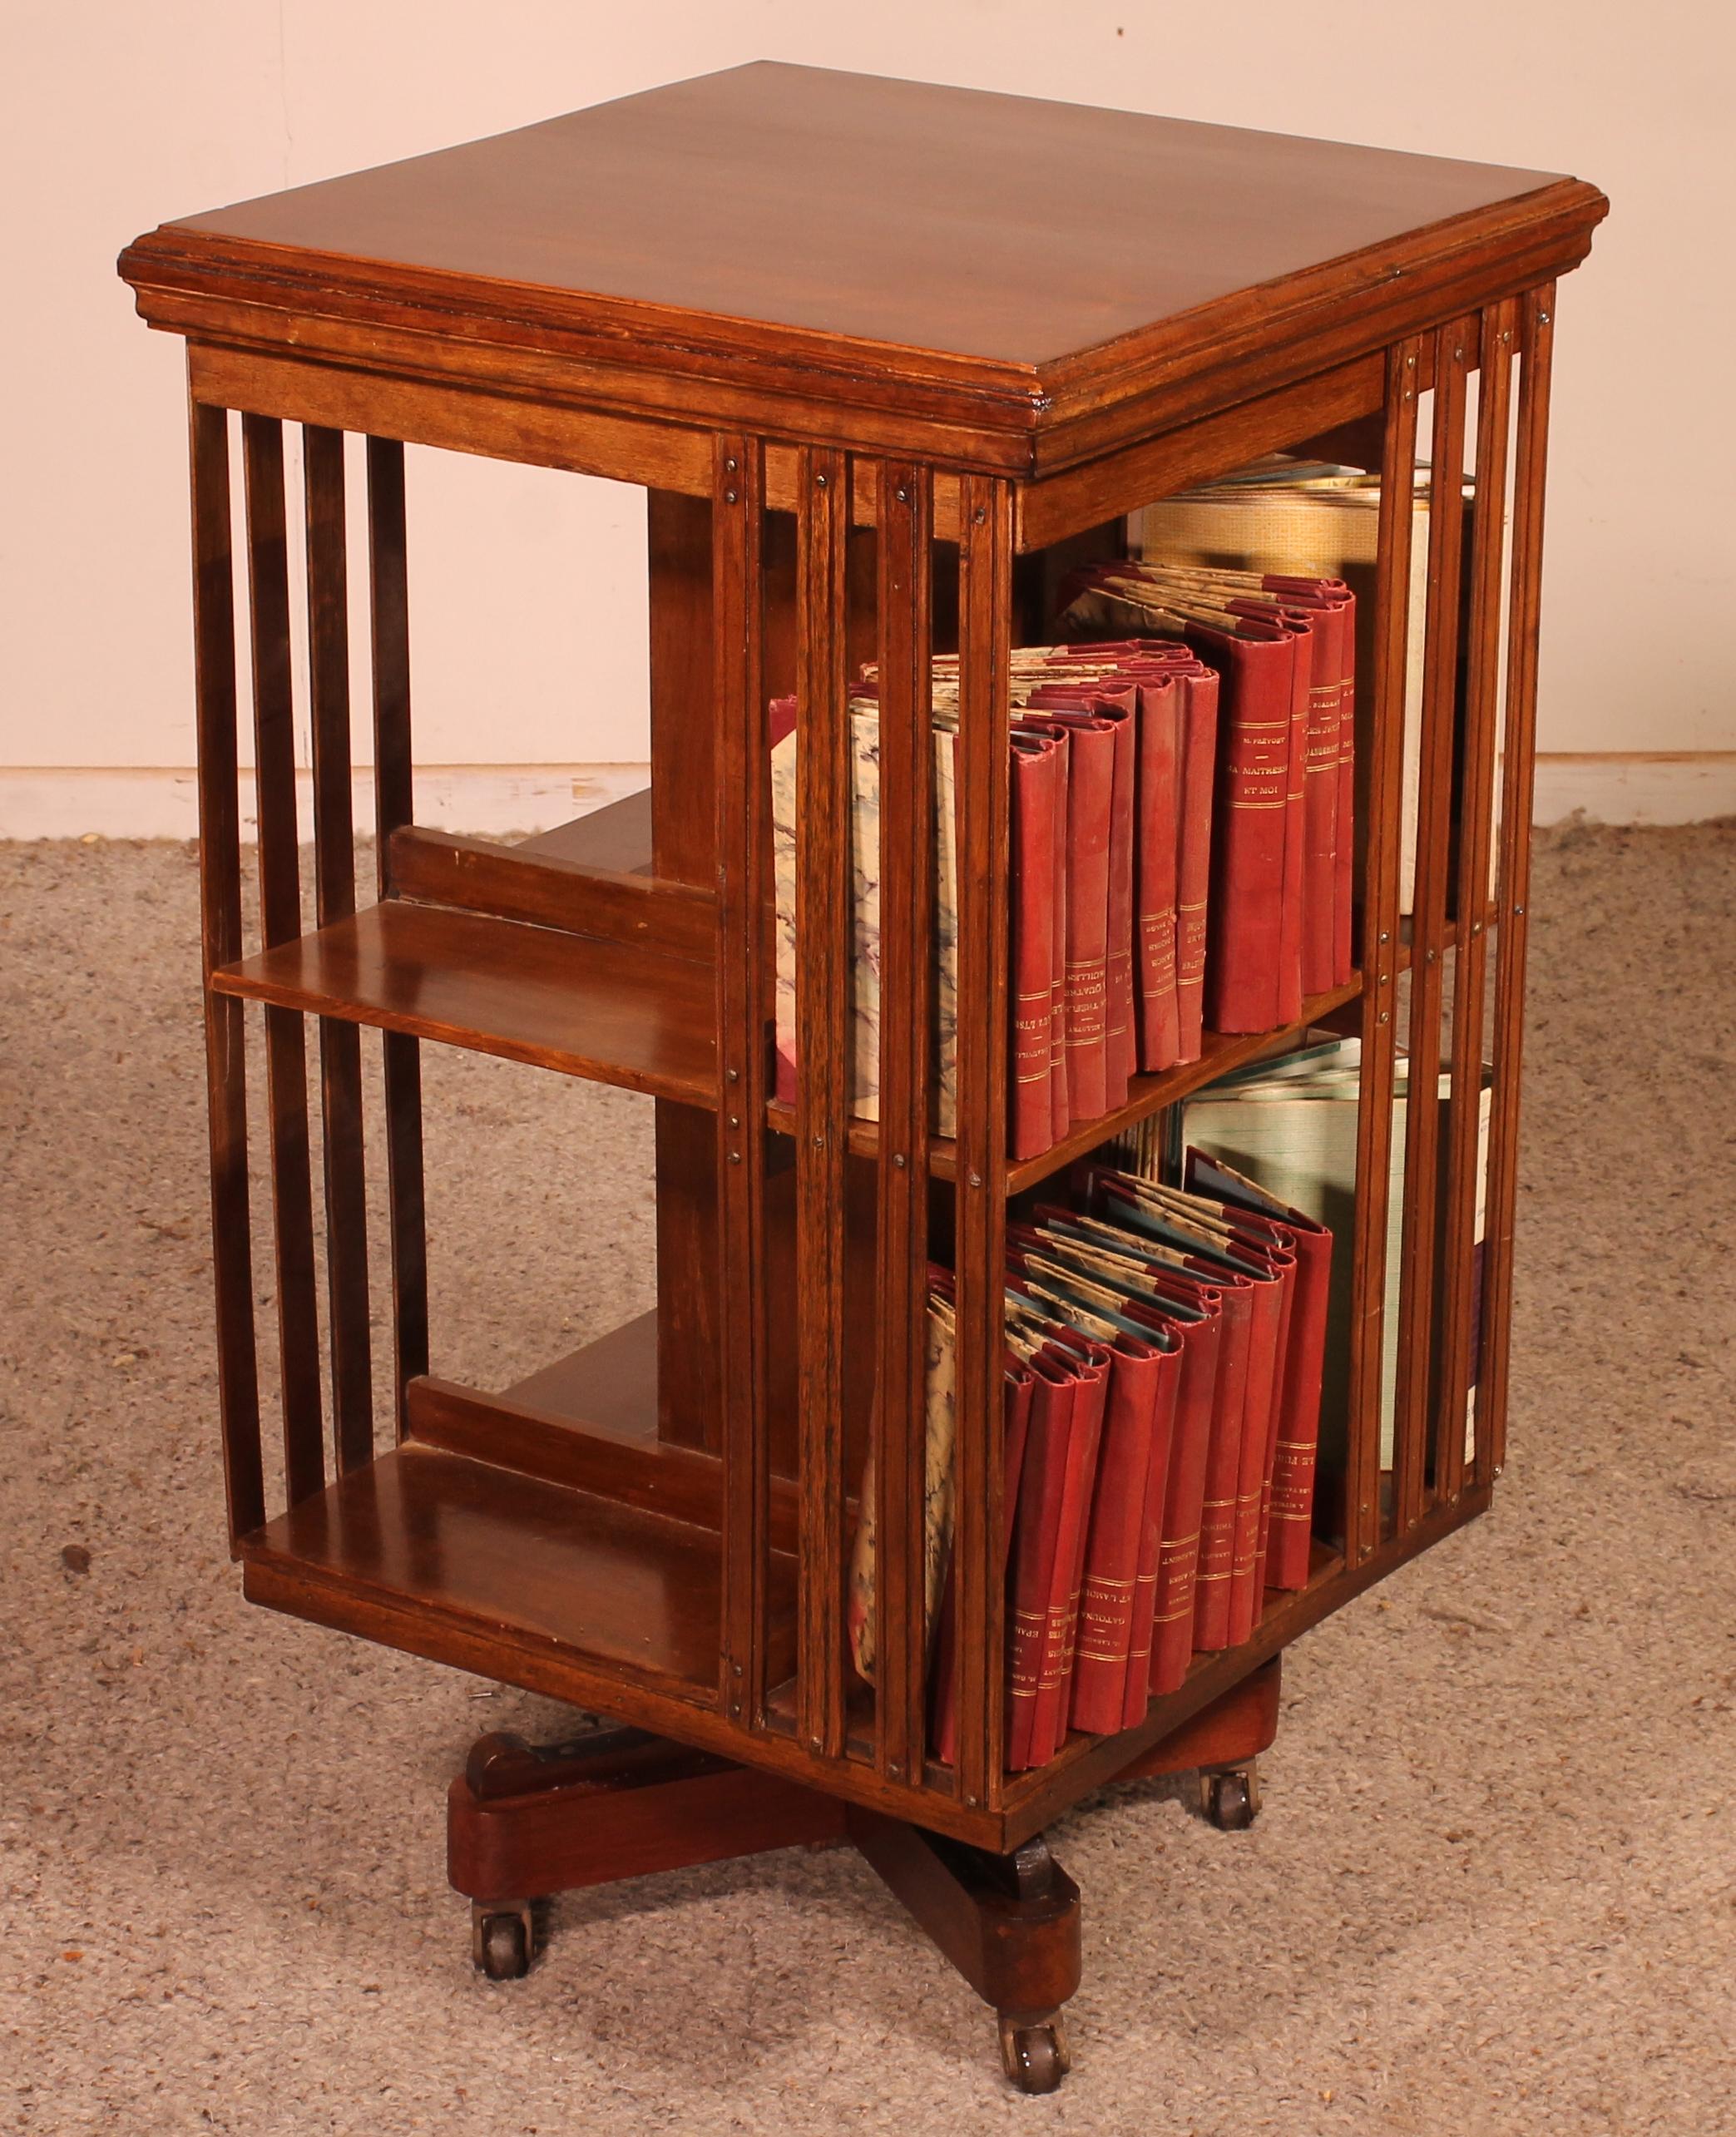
(889, 361)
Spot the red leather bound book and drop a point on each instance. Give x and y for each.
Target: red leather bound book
(1172, 1605)
(1343, 947)
(1037, 1534)
(1122, 1507)
(1020, 1386)
(1193, 855)
(1290, 1530)
(1036, 759)
(1246, 989)
(1074, 707)
(1268, 1316)
(1049, 1723)
(1091, 789)
(1157, 828)
(1224, 1467)
(1319, 855)
(1136, 1674)
(1058, 1096)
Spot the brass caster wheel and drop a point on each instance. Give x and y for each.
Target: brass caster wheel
(502, 1940)
(1230, 1796)
(1034, 2051)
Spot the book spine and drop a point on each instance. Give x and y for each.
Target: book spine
(1244, 989)
(1156, 858)
(1344, 849)
(1108, 1597)
(1059, 1088)
(1320, 809)
(1037, 1536)
(1031, 1108)
(1269, 1466)
(1119, 1044)
(1266, 1304)
(1049, 1720)
(1159, 1455)
(1090, 780)
(1196, 817)
(1223, 1471)
(1293, 915)
(1172, 1632)
(943, 1672)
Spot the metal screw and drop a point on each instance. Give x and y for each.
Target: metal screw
(1542, 320)
(1432, 955)
(1386, 934)
(1458, 356)
(1501, 1469)
(736, 1157)
(1386, 1017)
(981, 514)
(735, 1669)
(904, 499)
(895, 1770)
(1363, 1508)
(1410, 364)
(976, 1180)
(735, 1120)
(820, 482)
(733, 1075)
(1518, 912)
(819, 1142)
(971, 1803)
(729, 497)
(729, 467)
(815, 1742)
(1380, 978)
(898, 1160)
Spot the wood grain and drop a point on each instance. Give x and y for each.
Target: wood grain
(286, 1070)
(1380, 741)
(219, 932)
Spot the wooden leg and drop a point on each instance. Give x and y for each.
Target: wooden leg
(1222, 1743)
(1009, 1923)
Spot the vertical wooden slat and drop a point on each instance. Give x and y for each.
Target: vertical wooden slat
(394, 806)
(907, 878)
(1476, 787)
(340, 1050)
(824, 1052)
(743, 847)
(1380, 962)
(219, 929)
(984, 620)
(286, 1071)
(1531, 455)
(1428, 927)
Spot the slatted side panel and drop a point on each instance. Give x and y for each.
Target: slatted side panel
(220, 915)
(1464, 1156)
(823, 910)
(1531, 454)
(340, 1044)
(985, 605)
(286, 1078)
(389, 618)
(742, 839)
(905, 493)
(1380, 953)
(1434, 832)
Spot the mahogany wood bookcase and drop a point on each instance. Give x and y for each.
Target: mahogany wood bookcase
(888, 359)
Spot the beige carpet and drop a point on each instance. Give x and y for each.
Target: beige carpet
(1494, 1886)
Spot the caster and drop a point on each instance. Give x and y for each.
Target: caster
(1230, 1796)
(1034, 2052)
(502, 1940)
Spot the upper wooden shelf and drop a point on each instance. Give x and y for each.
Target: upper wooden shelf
(617, 1013)
(1005, 282)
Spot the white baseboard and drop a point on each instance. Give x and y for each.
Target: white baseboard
(60, 802)
(1665, 787)
(128, 802)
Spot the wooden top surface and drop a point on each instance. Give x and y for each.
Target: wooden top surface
(995, 227)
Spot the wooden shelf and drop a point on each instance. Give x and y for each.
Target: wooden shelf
(1146, 1095)
(494, 1554)
(618, 1015)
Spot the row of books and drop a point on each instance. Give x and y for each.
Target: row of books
(1180, 840)
(1162, 1394)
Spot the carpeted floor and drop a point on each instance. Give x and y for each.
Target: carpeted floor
(1494, 1886)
